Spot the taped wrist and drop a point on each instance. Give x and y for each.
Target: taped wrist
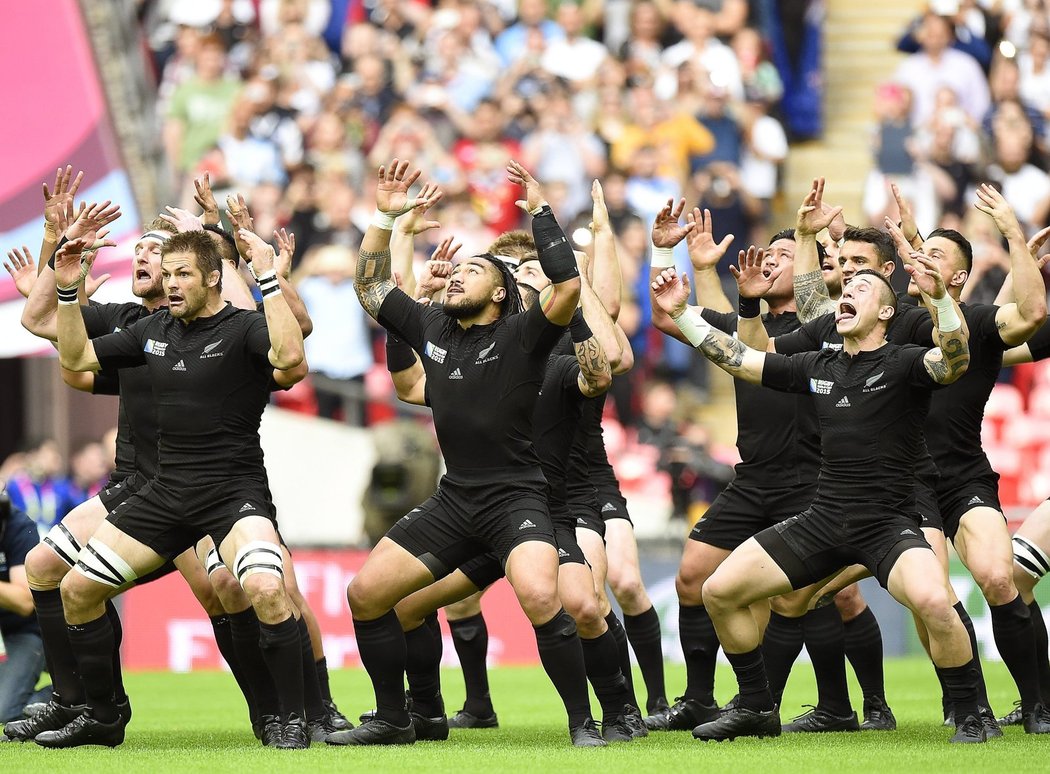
(555, 252)
(947, 318)
(269, 285)
(399, 355)
(662, 257)
(749, 307)
(579, 330)
(69, 295)
(694, 327)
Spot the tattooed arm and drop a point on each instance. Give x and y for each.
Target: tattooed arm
(949, 359)
(811, 292)
(595, 373)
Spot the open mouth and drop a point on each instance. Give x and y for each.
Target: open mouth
(174, 300)
(453, 290)
(142, 274)
(847, 311)
(767, 273)
(827, 266)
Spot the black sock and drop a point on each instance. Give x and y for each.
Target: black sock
(825, 642)
(780, 647)
(602, 662)
(435, 626)
(312, 699)
(118, 637)
(700, 646)
(864, 651)
(423, 670)
(751, 676)
(1012, 628)
(471, 638)
(643, 630)
(982, 688)
(961, 685)
(61, 663)
(92, 642)
(282, 650)
(623, 653)
(244, 631)
(1041, 655)
(562, 657)
(381, 644)
(321, 667)
(220, 625)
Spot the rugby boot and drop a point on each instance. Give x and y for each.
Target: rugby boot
(433, 729)
(684, 715)
(294, 735)
(615, 729)
(1037, 721)
(53, 717)
(878, 716)
(336, 719)
(970, 731)
(318, 729)
(740, 721)
(632, 716)
(83, 730)
(586, 735)
(464, 719)
(991, 725)
(374, 731)
(820, 721)
(269, 730)
(1013, 718)
(33, 709)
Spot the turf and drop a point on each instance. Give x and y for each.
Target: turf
(197, 722)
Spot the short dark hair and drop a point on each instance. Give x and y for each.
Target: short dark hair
(965, 249)
(227, 244)
(514, 244)
(885, 249)
(889, 295)
(511, 303)
(203, 248)
(789, 233)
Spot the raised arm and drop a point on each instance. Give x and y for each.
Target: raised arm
(286, 337)
(731, 355)
(595, 373)
(75, 350)
(598, 320)
(607, 279)
(436, 271)
(373, 280)
(752, 283)
(58, 211)
(22, 268)
(1017, 321)
(811, 293)
(285, 241)
(667, 232)
(403, 238)
(558, 300)
(949, 359)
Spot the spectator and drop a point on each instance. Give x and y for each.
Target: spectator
(21, 669)
(513, 43)
(574, 57)
(323, 215)
(88, 471)
(968, 32)
(199, 108)
(1025, 186)
(241, 160)
(35, 490)
(1005, 85)
(339, 350)
(483, 153)
(765, 149)
(643, 49)
(703, 49)
(1034, 71)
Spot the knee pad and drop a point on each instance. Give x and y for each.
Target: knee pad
(258, 556)
(213, 561)
(1030, 557)
(61, 541)
(102, 564)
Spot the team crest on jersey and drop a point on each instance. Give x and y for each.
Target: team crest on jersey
(157, 348)
(820, 386)
(871, 384)
(434, 352)
(483, 355)
(209, 350)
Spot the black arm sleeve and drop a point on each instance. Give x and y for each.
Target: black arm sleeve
(1039, 344)
(105, 383)
(555, 252)
(809, 338)
(407, 319)
(723, 321)
(789, 374)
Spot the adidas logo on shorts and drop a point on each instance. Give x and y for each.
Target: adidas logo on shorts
(246, 507)
(908, 532)
(527, 524)
(975, 500)
(580, 520)
(455, 374)
(180, 366)
(608, 507)
(562, 553)
(844, 403)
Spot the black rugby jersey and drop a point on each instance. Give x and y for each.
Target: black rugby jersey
(871, 407)
(555, 421)
(588, 461)
(777, 434)
(482, 384)
(210, 382)
(1039, 344)
(136, 416)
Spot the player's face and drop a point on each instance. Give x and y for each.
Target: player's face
(184, 285)
(859, 308)
(831, 270)
(854, 256)
(145, 277)
(946, 253)
(531, 274)
(472, 287)
(780, 255)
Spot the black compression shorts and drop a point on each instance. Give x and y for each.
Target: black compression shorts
(956, 498)
(927, 506)
(588, 517)
(613, 505)
(170, 521)
(569, 551)
(117, 491)
(461, 521)
(742, 510)
(811, 546)
(483, 570)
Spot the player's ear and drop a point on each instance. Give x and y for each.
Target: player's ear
(958, 278)
(213, 279)
(885, 312)
(888, 268)
(499, 294)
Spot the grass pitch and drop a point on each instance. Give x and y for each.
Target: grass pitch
(197, 723)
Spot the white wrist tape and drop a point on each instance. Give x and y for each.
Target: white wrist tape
(662, 257)
(947, 317)
(694, 327)
(383, 220)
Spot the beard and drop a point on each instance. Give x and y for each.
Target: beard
(462, 308)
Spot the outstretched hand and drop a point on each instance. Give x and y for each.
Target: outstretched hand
(260, 255)
(437, 271)
(751, 279)
(992, 203)
(182, 220)
(22, 268)
(205, 199)
(599, 210)
(907, 224)
(667, 231)
(415, 222)
(59, 199)
(671, 292)
(285, 252)
(518, 175)
(392, 192)
(926, 274)
(704, 252)
(92, 220)
(813, 216)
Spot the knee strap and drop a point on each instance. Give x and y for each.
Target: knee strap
(103, 565)
(258, 556)
(1030, 557)
(213, 561)
(60, 540)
